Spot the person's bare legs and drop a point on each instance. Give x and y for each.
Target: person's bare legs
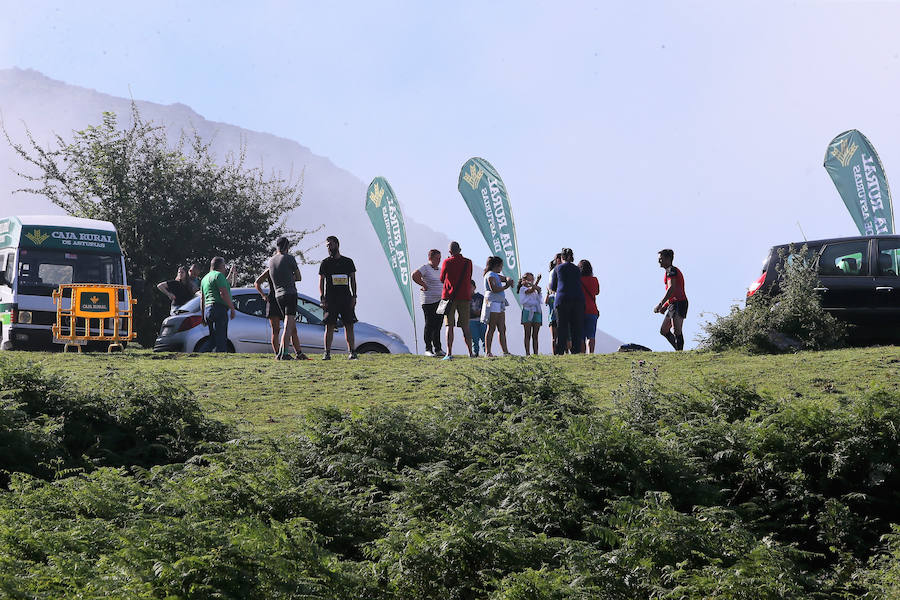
(290, 323)
(665, 331)
(348, 330)
(592, 342)
(501, 327)
(295, 340)
(528, 327)
(275, 325)
(467, 333)
(489, 336)
(677, 322)
(535, 330)
(288, 333)
(329, 337)
(449, 337)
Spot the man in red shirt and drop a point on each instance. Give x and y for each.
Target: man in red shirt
(456, 274)
(675, 303)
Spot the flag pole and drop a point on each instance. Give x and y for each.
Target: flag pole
(412, 294)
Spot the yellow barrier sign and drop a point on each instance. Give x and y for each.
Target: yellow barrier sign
(94, 302)
(94, 313)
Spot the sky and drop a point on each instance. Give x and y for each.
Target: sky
(618, 128)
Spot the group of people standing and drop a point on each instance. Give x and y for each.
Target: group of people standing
(449, 294)
(337, 294)
(572, 298)
(337, 289)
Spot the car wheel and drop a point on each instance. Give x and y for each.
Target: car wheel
(372, 348)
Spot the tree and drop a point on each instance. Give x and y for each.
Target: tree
(172, 205)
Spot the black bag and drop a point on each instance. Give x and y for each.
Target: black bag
(634, 348)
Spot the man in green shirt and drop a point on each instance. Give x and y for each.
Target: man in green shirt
(217, 303)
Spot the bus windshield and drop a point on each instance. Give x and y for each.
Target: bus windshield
(41, 271)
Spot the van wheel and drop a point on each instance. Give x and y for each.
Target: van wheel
(199, 346)
(372, 348)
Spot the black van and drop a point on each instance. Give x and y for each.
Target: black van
(858, 282)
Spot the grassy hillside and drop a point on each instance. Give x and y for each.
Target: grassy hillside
(259, 395)
(723, 477)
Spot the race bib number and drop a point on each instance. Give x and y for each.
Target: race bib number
(340, 279)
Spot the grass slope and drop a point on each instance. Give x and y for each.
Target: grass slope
(261, 396)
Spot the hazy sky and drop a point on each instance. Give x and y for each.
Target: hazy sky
(619, 128)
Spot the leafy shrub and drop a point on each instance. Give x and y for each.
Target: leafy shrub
(110, 535)
(709, 553)
(518, 488)
(881, 580)
(791, 319)
(49, 428)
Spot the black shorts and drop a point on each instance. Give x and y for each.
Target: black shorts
(288, 305)
(679, 307)
(273, 311)
(340, 307)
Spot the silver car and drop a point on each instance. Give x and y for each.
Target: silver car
(250, 330)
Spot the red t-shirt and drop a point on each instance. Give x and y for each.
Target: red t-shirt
(674, 280)
(455, 270)
(591, 288)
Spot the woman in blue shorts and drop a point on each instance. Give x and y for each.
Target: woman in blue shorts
(591, 288)
(530, 299)
(495, 286)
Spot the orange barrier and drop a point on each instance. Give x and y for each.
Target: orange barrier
(94, 310)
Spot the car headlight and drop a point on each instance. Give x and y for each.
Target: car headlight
(24, 317)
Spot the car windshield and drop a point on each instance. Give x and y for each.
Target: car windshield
(313, 312)
(42, 271)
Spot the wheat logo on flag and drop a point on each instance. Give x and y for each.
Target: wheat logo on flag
(858, 175)
(376, 195)
(37, 237)
(95, 299)
(473, 176)
(844, 151)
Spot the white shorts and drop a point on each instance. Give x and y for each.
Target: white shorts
(498, 307)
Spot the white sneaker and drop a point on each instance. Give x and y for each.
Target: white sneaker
(429, 353)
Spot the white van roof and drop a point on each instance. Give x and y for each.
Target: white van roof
(65, 221)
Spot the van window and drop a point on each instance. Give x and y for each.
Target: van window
(10, 267)
(55, 274)
(888, 258)
(41, 271)
(845, 258)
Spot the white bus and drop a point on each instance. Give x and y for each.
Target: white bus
(37, 254)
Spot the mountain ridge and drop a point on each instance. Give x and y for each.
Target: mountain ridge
(333, 197)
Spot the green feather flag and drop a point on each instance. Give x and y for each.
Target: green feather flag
(384, 212)
(485, 195)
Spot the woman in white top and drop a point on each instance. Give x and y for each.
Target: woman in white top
(495, 286)
(532, 315)
(428, 277)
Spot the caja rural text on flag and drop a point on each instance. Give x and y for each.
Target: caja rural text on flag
(856, 171)
(488, 201)
(384, 212)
